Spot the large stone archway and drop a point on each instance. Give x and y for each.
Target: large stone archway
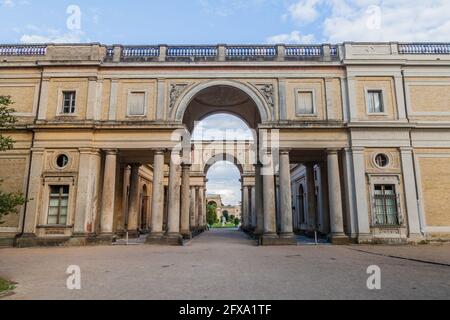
(222, 96)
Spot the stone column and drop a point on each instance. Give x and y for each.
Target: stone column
(245, 207)
(34, 191)
(87, 191)
(259, 208)
(157, 196)
(108, 198)
(193, 211)
(253, 208)
(44, 99)
(133, 204)
(173, 221)
(92, 98)
(270, 227)
(203, 207)
(185, 201)
(362, 206)
(198, 207)
(334, 190)
(411, 194)
(311, 194)
(325, 198)
(285, 196)
(125, 196)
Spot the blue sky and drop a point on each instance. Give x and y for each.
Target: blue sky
(223, 177)
(225, 21)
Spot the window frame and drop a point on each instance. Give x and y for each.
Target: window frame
(130, 92)
(382, 93)
(312, 91)
(60, 106)
(394, 180)
(61, 196)
(73, 102)
(388, 158)
(385, 198)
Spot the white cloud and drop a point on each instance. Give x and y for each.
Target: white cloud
(13, 3)
(292, 38)
(223, 180)
(305, 11)
(53, 36)
(374, 20)
(7, 3)
(222, 127)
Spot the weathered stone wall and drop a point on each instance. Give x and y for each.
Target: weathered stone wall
(435, 176)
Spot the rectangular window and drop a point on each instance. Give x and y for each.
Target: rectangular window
(136, 104)
(375, 102)
(69, 102)
(305, 103)
(58, 205)
(386, 206)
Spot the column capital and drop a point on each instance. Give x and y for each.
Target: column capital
(111, 152)
(186, 165)
(160, 151)
(136, 164)
(38, 150)
(406, 149)
(333, 151)
(358, 149)
(285, 151)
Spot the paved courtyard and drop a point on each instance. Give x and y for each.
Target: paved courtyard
(226, 265)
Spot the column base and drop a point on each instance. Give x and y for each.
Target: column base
(82, 239)
(258, 233)
(165, 240)
(105, 239)
(187, 235)
(339, 239)
(133, 234)
(31, 240)
(288, 238)
(7, 242)
(275, 240)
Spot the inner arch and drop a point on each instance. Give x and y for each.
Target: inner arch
(224, 180)
(236, 99)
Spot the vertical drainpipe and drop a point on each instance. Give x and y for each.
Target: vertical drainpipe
(419, 206)
(31, 154)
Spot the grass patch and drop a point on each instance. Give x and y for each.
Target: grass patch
(5, 286)
(227, 226)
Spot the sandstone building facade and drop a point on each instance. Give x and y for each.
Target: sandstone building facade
(362, 134)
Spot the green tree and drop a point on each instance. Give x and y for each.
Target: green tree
(9, 202)
(237, 221)
(211, 216)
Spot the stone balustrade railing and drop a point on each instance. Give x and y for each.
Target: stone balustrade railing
(150, 51)
(22, 50)
(192, 51)
(207, 53)
(424, 48)
(251, 51)
(312, 51)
